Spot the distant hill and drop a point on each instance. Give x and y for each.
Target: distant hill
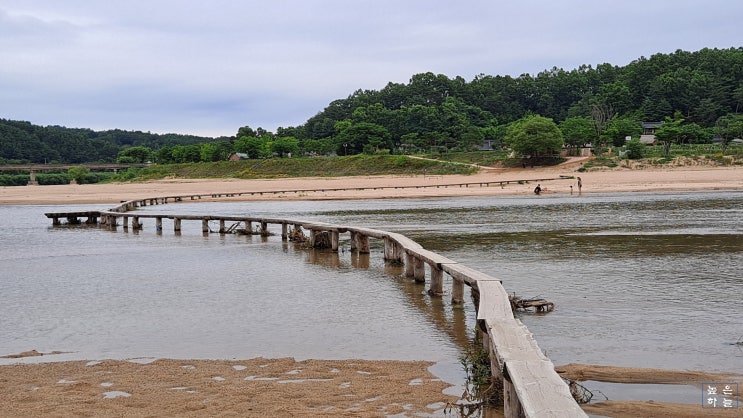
(436, 112)
(24, 142)
(436, 109)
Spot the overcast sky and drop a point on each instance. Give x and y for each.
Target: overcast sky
(210, 67)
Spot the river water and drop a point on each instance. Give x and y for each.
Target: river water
(641, 280)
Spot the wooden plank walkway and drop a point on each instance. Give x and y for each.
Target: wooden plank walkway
(494, 183)
(531, 387)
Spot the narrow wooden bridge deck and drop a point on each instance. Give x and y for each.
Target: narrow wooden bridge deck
(531, 387)
(194, 197)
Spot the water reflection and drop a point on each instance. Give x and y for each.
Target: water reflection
(437, 310)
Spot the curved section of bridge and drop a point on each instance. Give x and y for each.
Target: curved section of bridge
(531, 387)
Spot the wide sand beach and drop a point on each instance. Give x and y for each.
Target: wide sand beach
(491, 182)
(283, 387)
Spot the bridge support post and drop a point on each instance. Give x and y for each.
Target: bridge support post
(457, 290)
(135, 223)
(205, 226)
(248, 227)
(32, 179)
(284, 231)
(437, 281)
(409, 265)
(399, 253)
(334, 238)
(362, 243)
(419, 270)
(126, 222)
(176, 224)
(221, 226)
(264, 228)
(392, 250)
(511, 405)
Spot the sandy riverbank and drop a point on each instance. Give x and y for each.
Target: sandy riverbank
(553, 180)
(283, 387)
(241, 388)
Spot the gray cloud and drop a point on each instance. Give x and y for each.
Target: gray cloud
(210, 67)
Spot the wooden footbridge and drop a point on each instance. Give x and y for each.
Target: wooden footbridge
(531, 387)
(33, 168)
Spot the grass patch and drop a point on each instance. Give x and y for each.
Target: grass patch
(355, 165)
(481, 158)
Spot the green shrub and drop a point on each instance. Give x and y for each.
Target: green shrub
(14, 179)
(46, 179)
(635, 149)
(400, 161)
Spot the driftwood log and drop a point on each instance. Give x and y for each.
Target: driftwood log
(539, 305)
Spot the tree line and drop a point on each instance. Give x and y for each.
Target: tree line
(601, 105)
(698, 95)
(24, 142)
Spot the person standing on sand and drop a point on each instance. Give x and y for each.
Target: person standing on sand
(580, 186)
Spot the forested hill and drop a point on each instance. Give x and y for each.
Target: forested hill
(698, 89)
(24, 142)
(702, 85)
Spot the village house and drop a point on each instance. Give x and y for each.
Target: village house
(238, 156)
(648, 132)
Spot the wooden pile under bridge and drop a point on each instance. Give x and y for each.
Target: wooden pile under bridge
(531, 387)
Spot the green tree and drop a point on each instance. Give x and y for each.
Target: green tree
(727, 128)
(577, 131)
(691, 133)
(738, 97)
(362, 137)
(78, 174)
(285, 146)
(534, 135)
(601, 113)
(618, 129)
(314, 147)
(164, 155)
(471, 139)
(616, 95)
(707, 111)
(253, 146)
(208, 152)
(245, 131)
(134, 155)
(187, 153)
(670, 132)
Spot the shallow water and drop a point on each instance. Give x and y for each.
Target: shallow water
(102, 294)
(643, 280)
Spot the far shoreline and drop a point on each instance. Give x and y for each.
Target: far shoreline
(553, 180)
